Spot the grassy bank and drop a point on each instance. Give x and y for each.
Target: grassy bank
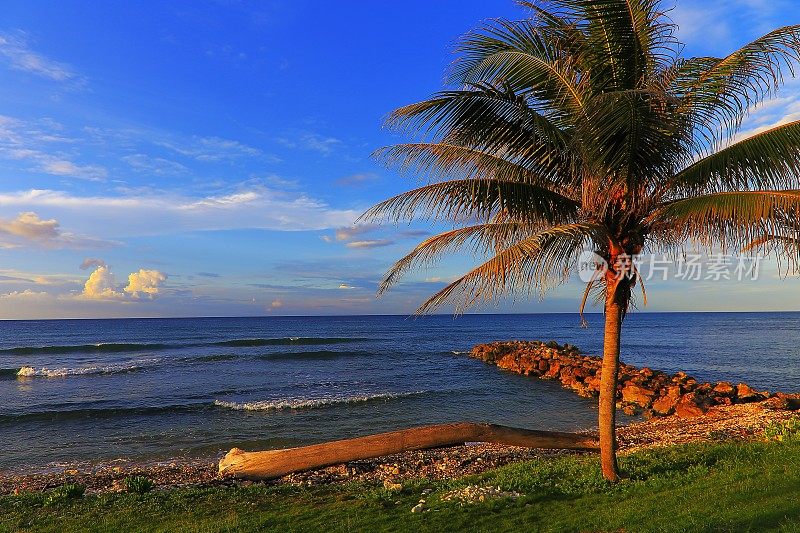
(697, 487)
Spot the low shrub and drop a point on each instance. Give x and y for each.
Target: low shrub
(138, 484)
(70, 491)
(782, 430)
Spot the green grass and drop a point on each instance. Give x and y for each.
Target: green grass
(721, 487)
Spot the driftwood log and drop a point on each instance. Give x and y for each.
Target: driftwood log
(275, 463)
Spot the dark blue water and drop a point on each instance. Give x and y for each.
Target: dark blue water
(94, 390)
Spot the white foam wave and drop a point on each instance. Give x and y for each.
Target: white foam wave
(310, 403)
(30, 371)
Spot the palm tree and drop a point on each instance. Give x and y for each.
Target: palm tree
(579, 128)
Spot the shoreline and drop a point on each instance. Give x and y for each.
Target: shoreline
(721, 423)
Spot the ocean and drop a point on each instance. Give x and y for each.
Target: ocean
(87, 391)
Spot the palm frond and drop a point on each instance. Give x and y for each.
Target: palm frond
(477, 199)
(529, 59)
(494, 121)
(535, 263)
(484, 238)
(629, 39)
(435, 162)
(720, 91)
(768, 160)
(726, 219)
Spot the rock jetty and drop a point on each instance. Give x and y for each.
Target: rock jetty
(640, 390)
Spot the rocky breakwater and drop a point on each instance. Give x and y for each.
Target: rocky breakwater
(651, 392)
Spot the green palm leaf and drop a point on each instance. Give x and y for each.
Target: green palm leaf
(727, 219)
(484, 238)
(535, 263)
(768, 160)
(477, 199)
(719, 92)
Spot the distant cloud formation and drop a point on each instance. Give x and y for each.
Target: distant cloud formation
(15, 50)
(208, 149)
(27, 294)
(100, 285)
(92, 262)
(276, 304)
(376, 243)
(29, 230)
(349, 236)
(349, 232)
(354, 180)
(157, 166)
(41, 142)
(160, 212)
(145, 283)
(308, 140)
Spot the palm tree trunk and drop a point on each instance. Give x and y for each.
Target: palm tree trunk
(608, 385)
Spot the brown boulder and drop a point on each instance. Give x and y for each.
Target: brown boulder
(666, 404)
(688, 385)
(745, 394)
(691, 405)
(703, 388)
(592, 383)
(637, 394)
(782, 401)
(509, 362)
(553, 371)
(723, 388)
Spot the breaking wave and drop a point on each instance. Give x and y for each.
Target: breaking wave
(312, 403)
(30, 371)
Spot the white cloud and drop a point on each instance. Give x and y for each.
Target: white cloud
(208, 148)
(306, 140)
(14, 49)
(164, 212)
(349, 232)
(100, 285)
(28, 229)
(773, 112)
(377, 243)
(31, 141)
(62, 167)
(155, 165)
(26, 295)
(145, 282)
(276, 304)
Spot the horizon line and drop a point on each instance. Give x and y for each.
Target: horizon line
(409, 316)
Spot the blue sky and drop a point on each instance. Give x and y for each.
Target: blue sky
(209, 158)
